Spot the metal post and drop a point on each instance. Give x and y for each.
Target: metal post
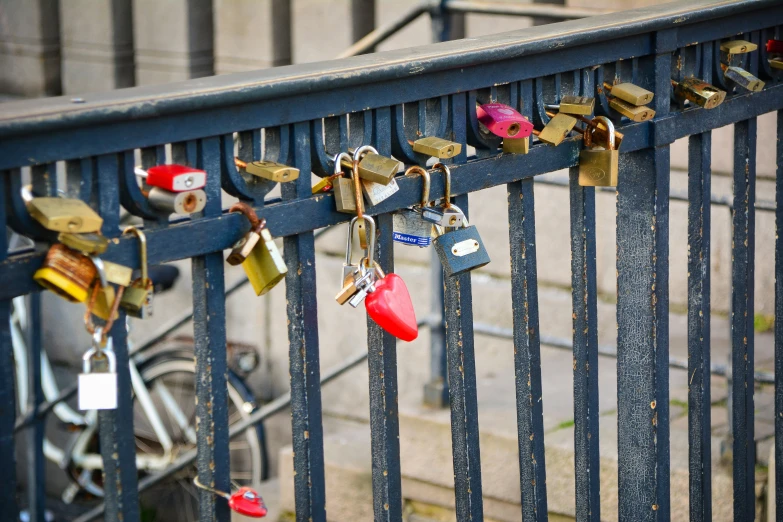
(543, 20)
(445, 25)
(436, 392)
(362, 20)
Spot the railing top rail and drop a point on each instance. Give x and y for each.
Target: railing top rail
(43, 115)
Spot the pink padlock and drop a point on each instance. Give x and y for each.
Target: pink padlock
(504, 121)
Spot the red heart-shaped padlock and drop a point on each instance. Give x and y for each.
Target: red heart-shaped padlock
(247, 502)
(390, 306)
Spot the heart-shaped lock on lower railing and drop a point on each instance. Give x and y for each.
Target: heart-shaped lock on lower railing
(245, 501)
(390, 306)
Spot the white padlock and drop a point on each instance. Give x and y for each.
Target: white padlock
(98, 390)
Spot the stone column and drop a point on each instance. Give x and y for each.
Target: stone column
(251, 34)
(29, 47)
(97, 49)
(173, 40)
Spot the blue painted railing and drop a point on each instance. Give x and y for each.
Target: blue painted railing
(436, 87)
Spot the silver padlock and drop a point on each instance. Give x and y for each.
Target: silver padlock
(183, 203)
(376, 193)
(409, 226)
(349, 268)
(98, 390)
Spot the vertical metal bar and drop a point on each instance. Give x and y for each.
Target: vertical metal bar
(462, 392)
(282, 42)
(436, 391)
(36, 480)
(118, 444)
(699, 404)
(543, 20)
(527, 350)
(362, 19)
(302, 311)
(642, 335)
(585, 339)
(743, 242)
(446, 25)
(8, 503)
(585, 321)
(382, 362)
(209, 329)
(779, 322)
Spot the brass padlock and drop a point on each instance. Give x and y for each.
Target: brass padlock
(344, 193)
(581, 105)
(742, 78)
(699, 92)
(325, 185)
(64, 215)
(137, 299)
(118, 274)
(633, 112)
(630, 93)
(102, 295)
(776, 63)
(270, 170)
(265, 266)
(737, 47)
(90, 244)
(437, 147)
(599, 167)
(373, 166)
(248, 242)
(516, 145)
(67, 273)
(557, 129)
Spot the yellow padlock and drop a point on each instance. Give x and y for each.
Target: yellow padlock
(67, 273)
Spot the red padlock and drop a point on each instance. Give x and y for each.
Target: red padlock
(174, 178)
(504, 121)
(775, 46)
(247, 502)
(390, 306)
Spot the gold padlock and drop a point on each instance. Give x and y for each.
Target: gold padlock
(738, 47)
(64, 215)
(373, 166)
(599, 167)
(91, 244)
(118, 274)
(137, 299)
(776, 63)
(101, 299)
(581, 105)
(634, 112)
(557, 129)
(630, 93)
(67, 273)
(270, 170)
(743, 78)
(436, 147)
(699, 92)
(265, 266)
(516, 145)
(343, 188)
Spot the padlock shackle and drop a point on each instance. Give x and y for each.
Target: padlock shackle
(609, 132)
(426, 182)
(370, 251)
(96, 349)
(247, 211)
(359, 153)
(100, 268)
(338, 158)
(357, 188)
(142, 249)
(447, 183)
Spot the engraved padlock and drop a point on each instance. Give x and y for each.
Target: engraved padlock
(64, 215)
(67, 273)
(137, 300)
(599, 166)
(98, 390)
(92, 243)
(409, 226)
(183, 203)
(742, 78)
(503, 120)
(699, 92)
(460, 250)
(376, 193)
(579, 105)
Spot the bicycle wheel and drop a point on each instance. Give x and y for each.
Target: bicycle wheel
(171, 384)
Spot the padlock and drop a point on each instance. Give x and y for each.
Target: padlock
(118, 274)
(373, 166)
(580, 105)
(325, 185)
(432, 215)
(349, 267)
(452, 216)
(137, 300)
(742, 78)
(67, 273)
(356, 286)
(633, 112)
(503, 120)
(436, 147)
(460, 250)
(630, 93)
(98, 390)
(173, 178)
(248, 242)
(102, 295)
(265, 266)
(377, 193)
(599, 167)
(344, 194)
(92, 243)
(557, 129)
(775, 46)
(699, 92)
(516, 145)
(409, 228)
(64, 215)
(776, 63)
(732, 51)
(270, 170)
(183, 203)
(245, 501)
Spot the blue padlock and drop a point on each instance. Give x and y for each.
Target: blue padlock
(460, 250)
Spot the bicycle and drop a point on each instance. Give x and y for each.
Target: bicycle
(163, 388)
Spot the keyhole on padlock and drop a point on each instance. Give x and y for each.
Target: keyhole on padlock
(452, 220)
(75, 224)
(190, 203)
(513, 129)
(285, 176)
(189, 181)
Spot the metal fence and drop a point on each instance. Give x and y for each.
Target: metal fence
(307, 113)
